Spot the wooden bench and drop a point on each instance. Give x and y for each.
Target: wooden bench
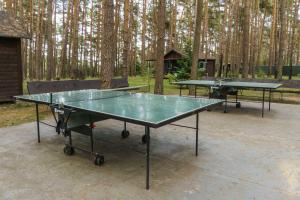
(37, 87)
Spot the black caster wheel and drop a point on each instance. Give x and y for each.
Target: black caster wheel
(99, 160)
(68, 150)
(238, 105)
(125, 134)
(144, 139)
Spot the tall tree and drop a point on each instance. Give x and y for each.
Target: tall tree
(126, 39)
(246, 39)
(272, 37)
(292, 43)
(143, 36)
(75, 26)
(160, 43)
(196, 45)
(50, 58)
(107, 54)
(282, 40)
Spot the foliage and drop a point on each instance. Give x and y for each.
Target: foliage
(171, 77)
(261, 73)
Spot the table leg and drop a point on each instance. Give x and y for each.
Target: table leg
(38, 122)
(148, 157)
(92, 139)
(270, 94)
(180, 87)
(195, 91)
(197, 132)
(263, 104)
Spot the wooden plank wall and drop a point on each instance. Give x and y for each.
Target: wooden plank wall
(10, 68)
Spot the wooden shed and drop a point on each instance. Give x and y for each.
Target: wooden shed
(11, 76)
(170, 61)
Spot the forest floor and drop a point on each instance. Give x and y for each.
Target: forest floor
(14, 114)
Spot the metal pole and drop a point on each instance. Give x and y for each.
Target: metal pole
(195, 91)
(263, 104)
(270, 94)
(38, 122)
(197, 132)
(92, 139)
(125, 128)
(180, 88)
(147, 157)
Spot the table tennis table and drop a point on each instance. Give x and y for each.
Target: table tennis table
(77, 111)
(238, 85)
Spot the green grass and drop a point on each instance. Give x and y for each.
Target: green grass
(14, 114)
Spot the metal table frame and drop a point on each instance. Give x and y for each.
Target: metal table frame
(264, 90)
(147, 126)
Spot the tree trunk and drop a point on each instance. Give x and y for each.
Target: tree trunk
(126, 39)
(160, 43)
(143, 37)
(50, 61)
(292, 44)
(196, 45)
(282, 40)
(245, 52)
(74, 61)
(63, 60)
(107, 53)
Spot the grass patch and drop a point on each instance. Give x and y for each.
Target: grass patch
(14, 114)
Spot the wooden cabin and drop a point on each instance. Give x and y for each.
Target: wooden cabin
(172, 57)
(11, 76)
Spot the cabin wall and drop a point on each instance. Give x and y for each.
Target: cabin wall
(10, 68)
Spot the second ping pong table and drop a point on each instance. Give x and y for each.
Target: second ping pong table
(238, 85)
(78, 110)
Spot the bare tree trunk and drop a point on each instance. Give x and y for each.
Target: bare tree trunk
(50, 61)
(159, 72)
(294, 26)
(63, 60)
(245, 49)
(91, 65)
(282, 41)
(107, 54)
(144, 29)
(196, 45)
(126, 39)
(74, 60)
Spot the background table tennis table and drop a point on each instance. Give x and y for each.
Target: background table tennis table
(264, 87)
(78, 110)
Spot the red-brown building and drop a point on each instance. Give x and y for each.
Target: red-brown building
(11, 76)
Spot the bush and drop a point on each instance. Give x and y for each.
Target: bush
(261, 73)
(171, 77)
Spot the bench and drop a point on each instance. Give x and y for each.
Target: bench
(37, 87)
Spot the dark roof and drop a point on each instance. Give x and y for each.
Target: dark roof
(174, 50)
(11, 28)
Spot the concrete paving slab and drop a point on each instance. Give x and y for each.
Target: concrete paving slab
(241, 156)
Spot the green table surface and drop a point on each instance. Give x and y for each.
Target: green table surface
(236, 84)
(147, 109)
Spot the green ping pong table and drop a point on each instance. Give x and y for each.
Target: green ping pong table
(77, 111)
(236, 85)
